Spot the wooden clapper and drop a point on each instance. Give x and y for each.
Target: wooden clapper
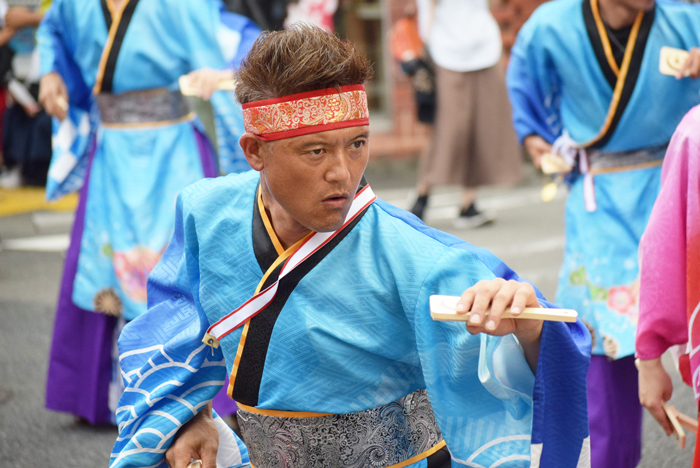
(444, 308)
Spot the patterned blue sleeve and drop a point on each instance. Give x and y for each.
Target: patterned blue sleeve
(560, 434)
(490, 407)
(533, 86)
(73, 136)
(56, 44)
(480, 386)
(169, 374)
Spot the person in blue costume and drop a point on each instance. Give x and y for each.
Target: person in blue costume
(589, 99)
(110, 73)
(333, 357)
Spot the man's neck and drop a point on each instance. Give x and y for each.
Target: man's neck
(118, 4)
(288, 231)
(616, 15)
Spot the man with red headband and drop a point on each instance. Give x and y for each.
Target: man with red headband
(313, 295)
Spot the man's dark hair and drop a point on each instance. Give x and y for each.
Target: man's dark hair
(299, 59)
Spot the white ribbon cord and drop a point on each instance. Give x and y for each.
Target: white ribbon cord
(588, 183)
(565, 147)
(568, 149)
(260, 301)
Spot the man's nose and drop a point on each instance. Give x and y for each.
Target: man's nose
(338, 170)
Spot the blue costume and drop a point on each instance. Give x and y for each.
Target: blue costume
(611, 113)
(346, 348)
(130, 144)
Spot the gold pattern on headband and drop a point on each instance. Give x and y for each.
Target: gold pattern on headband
(306, 112)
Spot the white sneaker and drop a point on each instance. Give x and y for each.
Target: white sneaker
(471, 218)
(10, 178)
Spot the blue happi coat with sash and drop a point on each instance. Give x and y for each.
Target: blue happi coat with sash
(136, 171)
(562, 81)
(353, 334)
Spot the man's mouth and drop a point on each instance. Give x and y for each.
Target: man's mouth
(336, 200)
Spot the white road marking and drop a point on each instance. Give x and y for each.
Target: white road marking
(56, 243)
(50, 220)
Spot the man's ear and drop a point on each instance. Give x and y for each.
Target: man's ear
(253, 148)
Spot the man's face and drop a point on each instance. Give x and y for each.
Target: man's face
(314, 177)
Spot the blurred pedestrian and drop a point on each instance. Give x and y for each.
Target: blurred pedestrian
(26, 128)
(581, 73)
(473, 141)
(123, 58)
(409, 51)
(669, 297)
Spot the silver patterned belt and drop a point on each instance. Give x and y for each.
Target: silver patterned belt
(604, 160)
(378, 437)
(142, 107)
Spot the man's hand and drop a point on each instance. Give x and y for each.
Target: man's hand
(655, 387)
(32, 110)
(198, 440)
(19, 17)
(536, 147)
(206, 80)
(691, 67)
(53, 95)
(499, 294)
(6, 35)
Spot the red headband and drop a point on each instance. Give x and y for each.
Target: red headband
(305, 113)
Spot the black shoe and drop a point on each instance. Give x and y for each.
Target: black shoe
(470, 218)
(419, 206)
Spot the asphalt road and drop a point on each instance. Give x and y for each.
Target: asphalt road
(528, 235)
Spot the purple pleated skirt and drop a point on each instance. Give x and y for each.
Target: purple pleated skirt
(80, 361)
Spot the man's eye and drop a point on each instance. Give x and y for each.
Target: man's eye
(358, 144)
(317, 151)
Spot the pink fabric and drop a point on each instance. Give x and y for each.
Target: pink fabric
(670, 252)
(316, 12)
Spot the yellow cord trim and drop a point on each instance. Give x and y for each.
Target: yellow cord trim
(620, 84)
(634, 167)
(282, 414)
(237, 361)
(162, 123)
(604, 37)
(268, 224)
(116, 19)
(420, 456)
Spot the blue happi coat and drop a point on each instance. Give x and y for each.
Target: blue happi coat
(556, 82)
(354, 334)
(561, 83)
(136, 171)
